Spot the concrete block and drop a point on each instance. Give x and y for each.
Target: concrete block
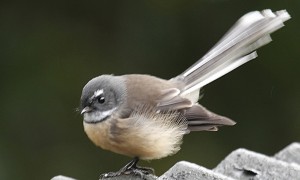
(189, 171)
(290, 154)
(244, 164)
(131, 177)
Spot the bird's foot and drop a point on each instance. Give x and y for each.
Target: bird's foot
(130, 169)
(139, 171)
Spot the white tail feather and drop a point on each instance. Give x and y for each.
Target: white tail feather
(236, 48)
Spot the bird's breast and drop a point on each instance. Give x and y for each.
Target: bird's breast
(143, 136)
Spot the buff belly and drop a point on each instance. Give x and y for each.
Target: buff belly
(146, 141)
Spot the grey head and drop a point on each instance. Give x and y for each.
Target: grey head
(101, 97)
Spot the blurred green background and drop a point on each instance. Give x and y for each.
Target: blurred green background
(50, 49)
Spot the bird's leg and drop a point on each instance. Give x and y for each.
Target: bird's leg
(131, 165)
(130, 168)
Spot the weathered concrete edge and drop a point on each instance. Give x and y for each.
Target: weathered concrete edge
(287, 159)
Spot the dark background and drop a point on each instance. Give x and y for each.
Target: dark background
(50, 49)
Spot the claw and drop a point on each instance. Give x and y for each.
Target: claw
(130, 168)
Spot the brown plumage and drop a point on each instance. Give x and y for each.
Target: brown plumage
(151, 125)
(146, 117)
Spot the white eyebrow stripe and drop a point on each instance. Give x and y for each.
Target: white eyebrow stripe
(98, 92)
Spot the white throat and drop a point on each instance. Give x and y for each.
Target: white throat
(97, 116)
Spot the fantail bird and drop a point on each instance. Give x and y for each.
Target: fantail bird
(145, 117)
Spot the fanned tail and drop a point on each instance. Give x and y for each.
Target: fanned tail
(235, 49)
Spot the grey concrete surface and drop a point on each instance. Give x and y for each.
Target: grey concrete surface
(241, 164)
(244, 164)
(290, 154)
(189, 171)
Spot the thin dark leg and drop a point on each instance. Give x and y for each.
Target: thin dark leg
(130, 168)
(131, 164)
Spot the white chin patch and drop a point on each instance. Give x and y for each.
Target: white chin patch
(97, 116)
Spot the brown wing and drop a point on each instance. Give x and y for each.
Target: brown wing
(201, 119)
(198, 117)
(170, 99)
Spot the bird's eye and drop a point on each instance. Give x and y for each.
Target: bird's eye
(101, 100)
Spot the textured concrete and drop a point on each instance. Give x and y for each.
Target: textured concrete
(131, 177)
(189, 171)
(244, 164)
(241, 164)
(290, 154)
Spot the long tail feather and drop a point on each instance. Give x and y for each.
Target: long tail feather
(235, 49)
